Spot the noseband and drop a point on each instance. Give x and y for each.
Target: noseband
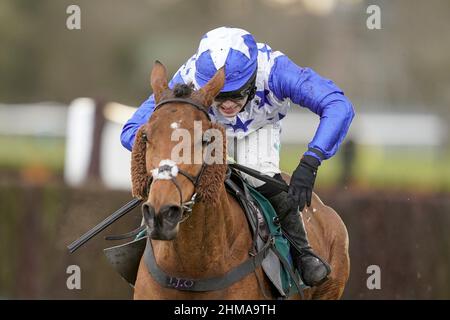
(168, 170)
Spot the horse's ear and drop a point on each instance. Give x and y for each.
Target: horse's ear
(158, 80)
(210, 90)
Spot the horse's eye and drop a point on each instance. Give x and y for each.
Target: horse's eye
(144, 137)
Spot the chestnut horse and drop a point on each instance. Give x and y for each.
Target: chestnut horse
(215, 237)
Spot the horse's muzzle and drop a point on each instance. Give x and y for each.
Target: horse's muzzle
(162, 225)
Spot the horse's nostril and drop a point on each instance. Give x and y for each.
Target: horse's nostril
(148, 212)
(171, 213)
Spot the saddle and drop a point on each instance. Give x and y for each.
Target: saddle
(276, 261)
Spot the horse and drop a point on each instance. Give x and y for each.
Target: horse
(215, 237)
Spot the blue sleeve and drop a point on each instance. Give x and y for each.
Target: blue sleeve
(320, 95)
(141, 116)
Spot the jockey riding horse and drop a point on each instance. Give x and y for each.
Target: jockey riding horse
(260, 85)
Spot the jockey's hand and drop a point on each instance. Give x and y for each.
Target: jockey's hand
(302, 182)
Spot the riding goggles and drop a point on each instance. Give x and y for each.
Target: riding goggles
(247, 90)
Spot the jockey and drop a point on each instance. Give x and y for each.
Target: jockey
(259, 86)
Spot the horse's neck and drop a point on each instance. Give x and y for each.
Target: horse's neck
(204, 243)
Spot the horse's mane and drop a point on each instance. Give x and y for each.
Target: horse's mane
(212, 178)
(181, 90)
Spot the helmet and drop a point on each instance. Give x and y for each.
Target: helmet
(233, 48)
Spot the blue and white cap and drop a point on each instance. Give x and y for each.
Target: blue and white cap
(233, 48)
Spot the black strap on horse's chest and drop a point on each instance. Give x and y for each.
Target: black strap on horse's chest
(207, 284)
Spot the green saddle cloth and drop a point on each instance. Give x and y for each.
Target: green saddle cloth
(281, 243)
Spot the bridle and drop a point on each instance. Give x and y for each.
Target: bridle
(168, 170)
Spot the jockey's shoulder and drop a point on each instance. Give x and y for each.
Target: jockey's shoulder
(267, 58)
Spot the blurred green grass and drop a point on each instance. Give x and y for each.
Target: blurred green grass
(381, 168)
(18, 152)
(421, 169)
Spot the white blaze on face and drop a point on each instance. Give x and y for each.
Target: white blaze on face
(167, 170)
(175, 125)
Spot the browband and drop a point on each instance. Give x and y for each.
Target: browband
(188, 101)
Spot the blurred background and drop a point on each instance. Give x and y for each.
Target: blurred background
(64, 95)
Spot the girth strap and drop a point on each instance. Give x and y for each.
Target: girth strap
(208, 284)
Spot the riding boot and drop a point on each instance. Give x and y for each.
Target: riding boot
(312, 268)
